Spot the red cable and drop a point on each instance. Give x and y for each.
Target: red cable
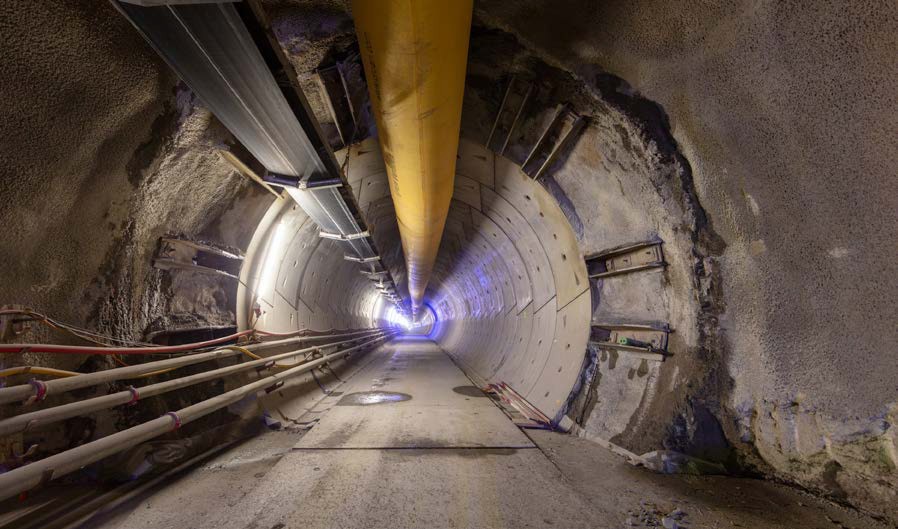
(74, 349)
(292, 333)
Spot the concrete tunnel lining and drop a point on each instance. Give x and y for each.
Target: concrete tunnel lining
(754, 142)
(510, 291)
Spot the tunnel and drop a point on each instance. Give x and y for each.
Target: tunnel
(371, 263)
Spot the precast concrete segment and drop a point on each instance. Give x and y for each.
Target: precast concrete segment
(415, 54)
(512, 296)
(299, 280)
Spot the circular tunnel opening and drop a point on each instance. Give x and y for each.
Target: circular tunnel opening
(635, 223)
(509, 298)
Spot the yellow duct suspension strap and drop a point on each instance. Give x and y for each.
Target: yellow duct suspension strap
(415, 53)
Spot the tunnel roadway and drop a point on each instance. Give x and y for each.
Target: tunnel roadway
(408, 441)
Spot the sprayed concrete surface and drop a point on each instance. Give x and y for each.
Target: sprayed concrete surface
(102, 154)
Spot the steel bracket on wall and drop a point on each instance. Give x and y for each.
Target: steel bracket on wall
(554, 140)
(645, 255)
(648, 341)
(335, 94)
(180, 254)
(342, 237)
(513, 103)
(362, 259)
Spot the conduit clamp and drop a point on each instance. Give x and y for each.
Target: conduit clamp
(46, 476)
(176, 419)
(281, 179)
(274, 387)
(135, 396)
(320, 183)
(40, 391)
(342, 237)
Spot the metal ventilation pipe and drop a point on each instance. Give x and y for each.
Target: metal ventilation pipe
(415, 55)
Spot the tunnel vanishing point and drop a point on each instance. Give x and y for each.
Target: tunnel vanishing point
(280, 264)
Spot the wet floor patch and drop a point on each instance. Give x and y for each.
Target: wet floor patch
(369, 398)
(469, 391)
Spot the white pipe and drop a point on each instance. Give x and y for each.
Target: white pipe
(25, 391)
(29, 476)
(36, 418)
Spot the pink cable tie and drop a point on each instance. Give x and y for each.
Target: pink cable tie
(135, 396)
(40, 389)
(177, 419)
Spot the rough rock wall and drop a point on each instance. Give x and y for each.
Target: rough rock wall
(617, 186)
(102, 153)
(75, 111)
(785, 114)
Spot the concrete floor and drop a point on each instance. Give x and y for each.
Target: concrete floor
(445, 456)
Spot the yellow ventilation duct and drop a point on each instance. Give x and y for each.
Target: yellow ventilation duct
(415, 52)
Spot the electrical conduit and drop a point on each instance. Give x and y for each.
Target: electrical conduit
(29, 476)
(24, 421)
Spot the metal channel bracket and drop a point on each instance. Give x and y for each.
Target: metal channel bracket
(513, 103)
(342, 237)
(557, 136)
(640, 340)
(188, 255)
(332, 88)
(627, 259)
